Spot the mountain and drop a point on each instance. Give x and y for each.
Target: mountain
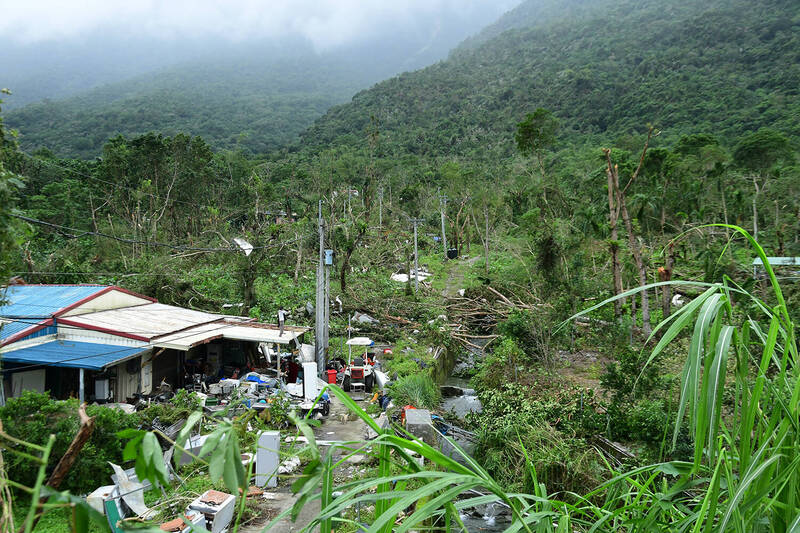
(256, 93)
(258, 104)
(725, 67)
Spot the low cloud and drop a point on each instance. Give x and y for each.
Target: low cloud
(325, 23)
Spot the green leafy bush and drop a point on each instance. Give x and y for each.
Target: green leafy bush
(418, 390)
(34, 417)
(499, 367)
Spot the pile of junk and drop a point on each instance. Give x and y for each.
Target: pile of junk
(360, 372)
(291, 374)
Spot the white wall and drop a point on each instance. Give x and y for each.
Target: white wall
(110, 300)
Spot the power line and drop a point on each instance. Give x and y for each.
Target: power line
(80, 233)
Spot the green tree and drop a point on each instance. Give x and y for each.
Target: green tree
(759, 153)
(10, 185)
(536, 134)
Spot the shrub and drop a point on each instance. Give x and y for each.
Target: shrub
(418, 390)
(499, 367)
(34, 417)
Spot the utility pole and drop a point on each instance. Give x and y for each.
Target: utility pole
(380, 207)
(416, 255)
(327, 321)
(443, 208)
(320, 320)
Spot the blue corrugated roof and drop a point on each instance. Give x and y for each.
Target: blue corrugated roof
(88, 355)
(26, 305)
(31, 301)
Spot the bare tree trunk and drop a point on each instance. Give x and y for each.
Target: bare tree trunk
(637, 258)
(614, 244)
(68, 459)
(299, 256)
(486, 239)
(665, 274)
(632, 240)
(725, 212)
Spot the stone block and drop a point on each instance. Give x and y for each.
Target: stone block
(419, 424)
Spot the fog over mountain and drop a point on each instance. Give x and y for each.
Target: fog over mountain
(53, 50)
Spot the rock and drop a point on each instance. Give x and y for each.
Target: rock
(383, 423)
(419, 424)
(449, 391)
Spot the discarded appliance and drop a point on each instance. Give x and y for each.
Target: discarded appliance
(419, 424)
(268, 458)
(217, 507)
(310, 387)
(97, 498)
(193, 446)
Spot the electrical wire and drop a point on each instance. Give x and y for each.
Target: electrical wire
(80, 233)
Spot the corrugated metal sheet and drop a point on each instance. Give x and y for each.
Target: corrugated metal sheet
(27, 305)
(146, 321)
(59, 353)
(12, 327)
(241, 331)
(33, 301)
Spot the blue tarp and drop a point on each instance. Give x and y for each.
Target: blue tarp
(70, 354)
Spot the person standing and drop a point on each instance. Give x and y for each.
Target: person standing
(282, 314)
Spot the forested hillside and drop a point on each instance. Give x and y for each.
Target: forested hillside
(567, 158)
(258, 105)
(725, 67)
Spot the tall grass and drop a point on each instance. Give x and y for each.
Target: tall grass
(744, 475)
(419, 390)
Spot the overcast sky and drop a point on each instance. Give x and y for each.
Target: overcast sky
(326, 23)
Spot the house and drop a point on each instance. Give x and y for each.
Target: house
(105, 343)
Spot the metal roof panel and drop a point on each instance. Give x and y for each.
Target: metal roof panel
(70, 354)
(37, 301)
(142, 321)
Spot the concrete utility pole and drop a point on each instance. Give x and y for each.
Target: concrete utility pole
(443, 206)
(320, 320)
(327, 321)
(380, 208)
(416, 255)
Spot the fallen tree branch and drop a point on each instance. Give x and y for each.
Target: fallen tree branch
(69, 457)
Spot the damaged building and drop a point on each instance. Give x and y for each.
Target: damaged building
(107, 344)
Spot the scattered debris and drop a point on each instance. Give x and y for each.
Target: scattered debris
(364, 318)
(289, 466)
(217, 507)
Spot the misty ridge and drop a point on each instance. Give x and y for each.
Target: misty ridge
(253, 77)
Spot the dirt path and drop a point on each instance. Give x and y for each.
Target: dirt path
(338, 427)
(456, 272)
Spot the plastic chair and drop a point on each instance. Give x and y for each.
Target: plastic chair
(357, 381)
